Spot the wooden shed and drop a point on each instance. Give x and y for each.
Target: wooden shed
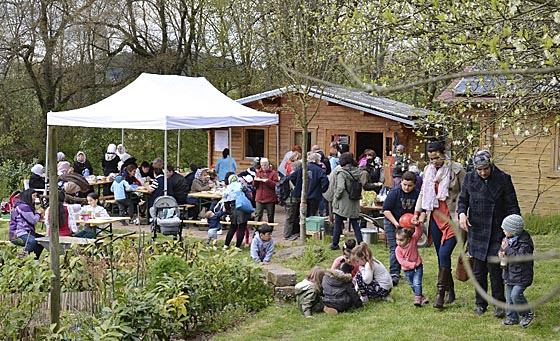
(351, 117)
(528, 150)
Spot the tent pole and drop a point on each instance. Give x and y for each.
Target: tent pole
(178, 147)
(165, 162)
(47, 161)
(229, 144)
(278, 147)
(54, 247)
(122, 136)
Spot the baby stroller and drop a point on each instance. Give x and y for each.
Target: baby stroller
(165, 213)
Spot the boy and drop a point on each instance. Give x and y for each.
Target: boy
(214, 224)
(399, 201)
(119, 188)
(262, 245)
(517, 275)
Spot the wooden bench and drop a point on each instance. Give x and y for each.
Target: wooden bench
(204, 223)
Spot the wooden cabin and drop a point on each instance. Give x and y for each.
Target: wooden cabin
(531, 155)
(350, 117)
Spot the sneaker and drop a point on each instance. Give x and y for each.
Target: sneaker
(334, 247)
(424, 300)
(293, 237)
(418, 300)
(220, 232)
(396, 279)
(136, 221)
(499, 312)
(509, 322)
(238, 249)
(225, 247)
(479, 310)
(330, 311)
(527, 319)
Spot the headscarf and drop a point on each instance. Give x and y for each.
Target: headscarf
(60, 156)
(442, 176)
(482, 159)
(199, 173)
(37, 169)
(63, 167)
(78, 154)
(123, 155)
(111, 152)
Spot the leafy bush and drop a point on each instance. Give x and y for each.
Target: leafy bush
(167, 265)
(12, 174)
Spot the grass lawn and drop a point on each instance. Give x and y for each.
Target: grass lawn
(403, 321)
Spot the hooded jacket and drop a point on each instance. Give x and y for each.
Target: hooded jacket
(339, 292)
(308, 294)
(342, 204)
(119, 188)
(317, 184)
(261, 251)
(519, 273)
(22, 220)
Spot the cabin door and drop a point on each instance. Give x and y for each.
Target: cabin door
(369, 141)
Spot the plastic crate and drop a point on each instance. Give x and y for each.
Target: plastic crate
(314, 223)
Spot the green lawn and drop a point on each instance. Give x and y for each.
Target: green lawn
(403, 321)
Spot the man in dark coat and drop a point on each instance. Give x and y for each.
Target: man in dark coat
(487, 197)
(178, 184)
(317, 183)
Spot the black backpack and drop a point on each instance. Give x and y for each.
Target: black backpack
(355, 191)
(283, 190)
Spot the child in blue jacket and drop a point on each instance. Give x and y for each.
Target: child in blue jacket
(262, 246)
(214, 224)
(119, 189)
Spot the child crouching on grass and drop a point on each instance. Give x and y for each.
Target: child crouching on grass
(373, 280)
(410, 260)
(214, 225)
(338, 290)
(309, 292)
(262, 246)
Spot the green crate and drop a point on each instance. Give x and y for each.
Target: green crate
(314, 223)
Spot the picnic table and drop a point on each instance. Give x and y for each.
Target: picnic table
(205, 197)
(103, 224)
(65, 242)
(98, 183)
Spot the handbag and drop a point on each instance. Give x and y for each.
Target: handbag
(460, 271)
(243, 204)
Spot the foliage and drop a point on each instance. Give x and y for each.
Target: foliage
(166, 265)
(12, 173)
(24, 286)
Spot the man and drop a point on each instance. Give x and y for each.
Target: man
(156, 164)
(317, 183)
(487, 197)
(265, 184)
(178, 185)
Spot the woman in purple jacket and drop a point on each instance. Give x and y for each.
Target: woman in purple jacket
(22, 223)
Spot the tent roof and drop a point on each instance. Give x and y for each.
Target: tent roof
(164, 102)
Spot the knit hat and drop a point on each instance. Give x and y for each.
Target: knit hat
(482, 159)
(513, 224)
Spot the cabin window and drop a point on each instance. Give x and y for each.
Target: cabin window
(254, 142)
(298, 139)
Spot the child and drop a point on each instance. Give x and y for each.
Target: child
(349, 244)
(399, 201)
(410, 260)
(373, 280)
(338, 290)
(119, 188)
(214, 224)
(517, 275)
(66, 222)
(262, 245)
(92, 208)
(308, 292)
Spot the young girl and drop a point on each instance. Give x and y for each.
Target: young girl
(339, 293)
(410, 260)
(309, 292)
(66, 222)
(373, 280)
(349, 244)
(91, 208)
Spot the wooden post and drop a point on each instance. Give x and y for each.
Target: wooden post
(54, 229)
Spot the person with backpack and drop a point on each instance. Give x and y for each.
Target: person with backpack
(317, 183)
(346, 198)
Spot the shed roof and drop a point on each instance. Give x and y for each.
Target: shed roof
(359, 100)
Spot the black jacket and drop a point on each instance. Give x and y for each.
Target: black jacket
(519, 273)
(339, 292)
(179, 186)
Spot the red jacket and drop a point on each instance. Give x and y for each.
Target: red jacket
(265, 190)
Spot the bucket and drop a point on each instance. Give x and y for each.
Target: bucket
(370, 235)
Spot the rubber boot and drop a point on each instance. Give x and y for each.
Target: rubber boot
(440, 289)
(450, 297)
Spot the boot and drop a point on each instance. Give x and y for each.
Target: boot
(440, 289)
(450, 297)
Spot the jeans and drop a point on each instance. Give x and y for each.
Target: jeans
(30, 244)
(414, 278)
(390, 234)
(444, 250)
(323, 207)
(269, 207)
(515, 296)
(338, 229)
(481, 269)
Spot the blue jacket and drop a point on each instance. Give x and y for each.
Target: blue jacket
(317, 183)
(261, 251)
(487, 203)
(214, 222)
(223, 166)
(119, 188)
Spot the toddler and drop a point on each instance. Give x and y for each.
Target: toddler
(338, 290)
(214, 224)
(262, 246)
(410, 260)
(373, 280)
(517, 275)
(349, 244)
(308, 292)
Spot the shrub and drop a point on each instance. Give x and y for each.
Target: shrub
(168, 265)
(11, 175)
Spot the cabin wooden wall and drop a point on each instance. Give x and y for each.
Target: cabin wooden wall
(330, 119)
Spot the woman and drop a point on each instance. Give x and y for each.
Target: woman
(37, 179)
(82, 165)
(225, 165)
(343, 206)
(23, 219)
(121, 153)
(437, 201)
(110, 164)
(239, 218)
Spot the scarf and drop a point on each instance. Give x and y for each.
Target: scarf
(432, 176)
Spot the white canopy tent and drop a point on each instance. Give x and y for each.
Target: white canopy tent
(163, 102)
